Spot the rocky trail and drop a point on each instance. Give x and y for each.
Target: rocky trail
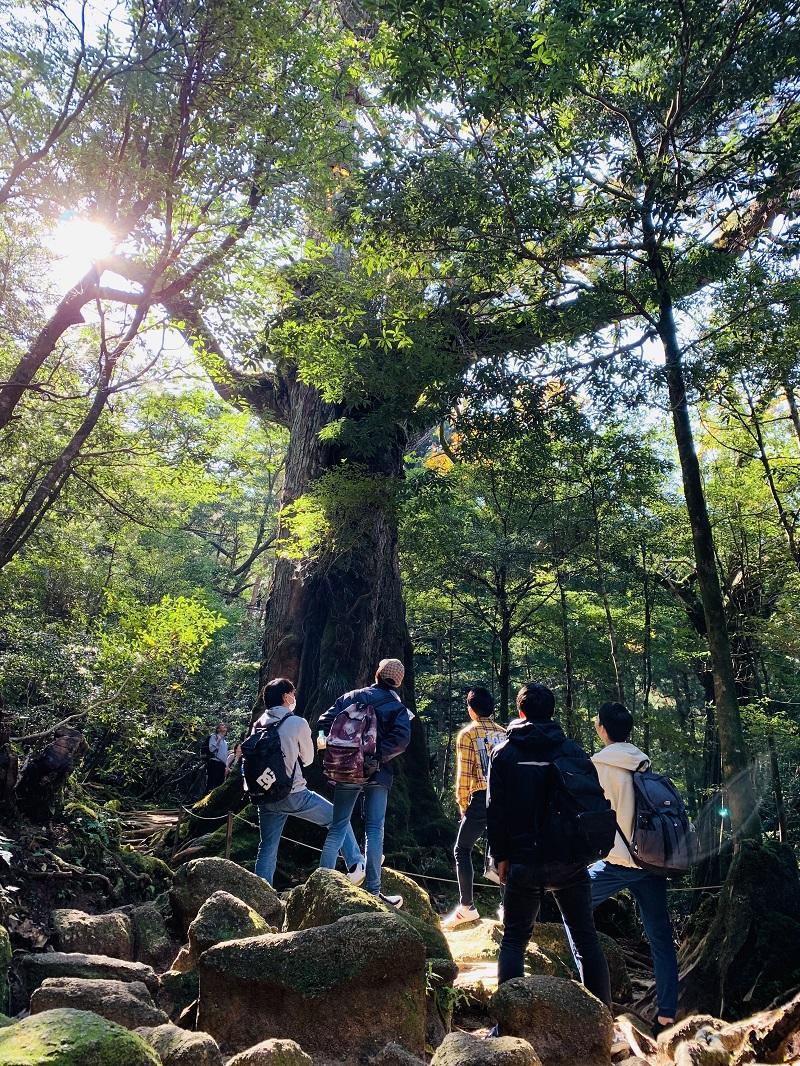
(221, 970)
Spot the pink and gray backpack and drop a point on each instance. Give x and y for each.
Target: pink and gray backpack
(351, 754)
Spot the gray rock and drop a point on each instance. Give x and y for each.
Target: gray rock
(35, 968)
(197, 880)
(178, 991)
(176, 1047)
(295, 984)
(394, 1055)
(223, 917)
(94, 934)
(72, 1038)
(153, 944)
(564, 1022)
(463, 1049)
(274, 1052)
(127, 1003)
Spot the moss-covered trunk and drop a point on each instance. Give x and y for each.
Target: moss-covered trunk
(329, 622)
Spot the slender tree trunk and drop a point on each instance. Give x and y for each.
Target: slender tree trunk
(744, 812)
(68, 313)
(504, 642)
(601, 578)
(15, 532)
(794, 414)
(787, 523)
(647, 650)
(569, 682)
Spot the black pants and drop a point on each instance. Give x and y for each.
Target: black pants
(216, 773)
(472, 828)
(523, 898)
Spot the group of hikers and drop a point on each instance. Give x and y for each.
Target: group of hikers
(537, 834)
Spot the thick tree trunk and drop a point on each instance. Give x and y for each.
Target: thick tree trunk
(743, 808)
(329, 623)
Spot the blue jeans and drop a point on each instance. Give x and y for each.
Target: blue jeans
(521, 903)
(650, 892)
(311, 808)
(344, 801)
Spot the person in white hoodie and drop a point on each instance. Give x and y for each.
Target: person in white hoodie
(298, 749)
(615, 764)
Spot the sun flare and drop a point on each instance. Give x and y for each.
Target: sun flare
(79, 242)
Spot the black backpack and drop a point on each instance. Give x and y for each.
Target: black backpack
(263, 765)
(664, 840)
(579, 824)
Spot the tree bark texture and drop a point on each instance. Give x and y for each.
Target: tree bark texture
(328, 624)
(743, 808)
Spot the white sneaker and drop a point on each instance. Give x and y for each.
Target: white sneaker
(392, 901)
(460, 916)
(357, 874)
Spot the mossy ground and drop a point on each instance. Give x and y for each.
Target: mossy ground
(72, 1038)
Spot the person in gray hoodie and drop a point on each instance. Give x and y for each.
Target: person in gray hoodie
(615, 764)
(298, 749)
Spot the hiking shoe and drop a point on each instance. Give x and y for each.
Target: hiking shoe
(392, 901)
(462, 915)
(357, 874)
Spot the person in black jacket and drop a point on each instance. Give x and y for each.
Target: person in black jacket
(394, 735)
(517, 799)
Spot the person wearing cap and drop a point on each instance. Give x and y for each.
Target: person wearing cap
(394, 734)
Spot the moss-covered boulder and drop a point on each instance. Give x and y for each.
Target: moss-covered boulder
(177, 1047)
(549, 938)
(328, 895)
(93, 934)
(273, 1052)
(199, 879)
(565, 1023)
(34, 969)
(5, 966)
(72, 1038)
(293, 985)
(464, 1049)
(416, 900)
(325, 897)
(153, 943)
(149, 867)
(223, 917)
(127, 1003)
(178, 991)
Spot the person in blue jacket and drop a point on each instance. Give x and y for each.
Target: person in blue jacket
(394, 734)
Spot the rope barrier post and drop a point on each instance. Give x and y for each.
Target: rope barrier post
(176, 839)
(229, 835)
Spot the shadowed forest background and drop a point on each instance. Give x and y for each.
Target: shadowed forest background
(467, 334)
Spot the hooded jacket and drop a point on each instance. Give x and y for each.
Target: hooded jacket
(297, 744)
(394, 725)
(615, 765)
(519, 776)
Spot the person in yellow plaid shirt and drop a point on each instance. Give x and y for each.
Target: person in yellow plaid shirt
(473, 747)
